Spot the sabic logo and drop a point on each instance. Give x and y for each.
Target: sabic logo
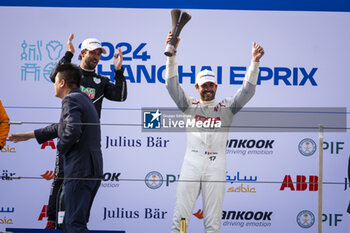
(6, 221)
(49, 143)
(199, 214)
(301, 184)
(6, 175)
(154, 180)
(307, 147)
(43, 213)
(305, 219)
(8, 149)
(48, 175)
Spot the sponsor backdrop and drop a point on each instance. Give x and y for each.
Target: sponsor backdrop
(305, 65)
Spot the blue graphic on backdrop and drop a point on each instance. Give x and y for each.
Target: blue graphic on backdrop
(33, 59)
(54, 49)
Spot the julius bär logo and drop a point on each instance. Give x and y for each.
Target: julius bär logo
(152, 119)
(305, 219)
(307, 147)
(154, 180)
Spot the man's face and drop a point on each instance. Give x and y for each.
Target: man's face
(90, 59)
(207, 91)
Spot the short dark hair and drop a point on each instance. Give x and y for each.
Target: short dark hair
(70, 73)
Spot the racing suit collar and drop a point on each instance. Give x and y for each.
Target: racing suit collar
(208, 103)
(91, 71)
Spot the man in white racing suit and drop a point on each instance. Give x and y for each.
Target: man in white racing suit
(205, 158)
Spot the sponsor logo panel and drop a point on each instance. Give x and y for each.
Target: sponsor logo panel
(250, 147)
(127, 142)
(303, 183)
(7, 175)
(305, 219)
(242, 218)
(308, 147)
(8, 148)
(6, 220)
(124, 213)
(110, 180)
(48, 175)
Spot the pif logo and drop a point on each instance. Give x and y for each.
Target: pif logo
(305, 219)
(333, 147)
(307, 147)
(154, 180)
(152, 119)
(301, 183)
(332, 219)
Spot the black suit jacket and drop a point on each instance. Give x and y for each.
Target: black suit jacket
(79, 143)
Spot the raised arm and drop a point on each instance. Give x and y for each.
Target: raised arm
(175, 90)
(67, 58)
(247, 90)
(117, 91)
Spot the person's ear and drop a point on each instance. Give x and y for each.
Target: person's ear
(82, 53)
(62, 83)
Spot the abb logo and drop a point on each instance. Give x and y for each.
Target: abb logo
(43, 213)
(48, 175)
(48, 143)
(301, 183)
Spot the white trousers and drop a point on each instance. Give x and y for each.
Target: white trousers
(188, 192)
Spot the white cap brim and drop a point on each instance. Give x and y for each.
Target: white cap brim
(200, 82)
(94, 48)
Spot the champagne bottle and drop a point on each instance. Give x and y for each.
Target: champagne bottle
(183, 225)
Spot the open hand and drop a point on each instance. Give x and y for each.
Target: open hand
(118, 60)
(70, 46)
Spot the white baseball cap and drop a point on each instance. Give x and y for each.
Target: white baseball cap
(205, 76)
(92, 44)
